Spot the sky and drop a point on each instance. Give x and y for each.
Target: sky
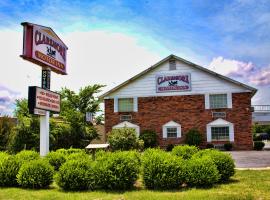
(111, 41)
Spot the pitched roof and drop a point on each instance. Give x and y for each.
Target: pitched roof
(253, 90)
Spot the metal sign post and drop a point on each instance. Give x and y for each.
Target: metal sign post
(45, 120)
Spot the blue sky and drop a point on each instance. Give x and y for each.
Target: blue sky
(230, 37)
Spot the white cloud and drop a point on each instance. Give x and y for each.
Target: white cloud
(93, 57)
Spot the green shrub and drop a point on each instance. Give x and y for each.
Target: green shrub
(55, 159)
(35, 174)
(78, 156)
(9, 168)
(76, 175)
(162, 170)
(117, 170)
(27, 155)
(70, 151)
(228, 146)
(3, 156)
(202, 172)
(123, 139)
(193, 137)
(185, 151)
(258, 145)
(223, 161)
(149, 137)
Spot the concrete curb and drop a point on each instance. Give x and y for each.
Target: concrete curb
(257, 168)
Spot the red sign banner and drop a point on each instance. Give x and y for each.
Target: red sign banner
(39, 98)
(43, 47)
(173, 83)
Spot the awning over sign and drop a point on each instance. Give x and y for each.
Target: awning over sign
(97, 146)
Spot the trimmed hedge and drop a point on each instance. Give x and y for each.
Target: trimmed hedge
(3, 156)
(258, 145)
(117, 170)
(223, 161)
(35, 174)
(162, 170)
(9, 168)
(193, 137)
(26, 156)
(202, 172)
(149, 138)
(70, 151)
(185, 151)
(55, 159)
(76, 175)
(78, 156)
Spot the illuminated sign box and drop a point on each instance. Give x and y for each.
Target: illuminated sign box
(41, 99)
(43, 47)
(173, 82)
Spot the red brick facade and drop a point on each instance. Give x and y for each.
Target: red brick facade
(190, 112)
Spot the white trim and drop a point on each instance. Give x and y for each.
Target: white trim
(229, 100)
(220, 123)
(115, 101)
(174, 94)
(206, 101)
(171, 124)
(135, 104)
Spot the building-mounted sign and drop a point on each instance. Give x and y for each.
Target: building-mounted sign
(43, 47)
(173, 82)
(42, 99)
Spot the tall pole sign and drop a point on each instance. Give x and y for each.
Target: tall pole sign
(43, 47)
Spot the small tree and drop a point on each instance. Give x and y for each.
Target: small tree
(193, 137)
(149, 138)
(123, 139)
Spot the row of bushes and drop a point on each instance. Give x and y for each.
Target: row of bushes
(75, 170)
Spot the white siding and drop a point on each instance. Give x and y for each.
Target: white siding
(201, 83)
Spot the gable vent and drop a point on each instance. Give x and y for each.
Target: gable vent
(172, 65)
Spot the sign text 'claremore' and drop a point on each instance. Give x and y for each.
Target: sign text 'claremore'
(173, 82)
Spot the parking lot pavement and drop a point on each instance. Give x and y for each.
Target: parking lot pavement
(251, 159)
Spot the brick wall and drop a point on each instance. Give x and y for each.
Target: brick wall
(189, 111)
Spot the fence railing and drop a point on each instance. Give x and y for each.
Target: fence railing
(261, 108)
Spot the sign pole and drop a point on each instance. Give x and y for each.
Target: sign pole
(45, 120)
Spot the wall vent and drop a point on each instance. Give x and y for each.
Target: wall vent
(172, 65)
(125, 118)
(219, 114)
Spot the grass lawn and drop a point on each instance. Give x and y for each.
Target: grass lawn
(244, 185)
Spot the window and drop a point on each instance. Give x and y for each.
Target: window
(220, 130)
(220, 133)
(172, 132)
(125, 105)
(218, 100)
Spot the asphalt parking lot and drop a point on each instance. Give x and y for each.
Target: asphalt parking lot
(251, 159)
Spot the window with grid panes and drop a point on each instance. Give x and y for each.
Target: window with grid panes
(220, 133)
(172, 132)
(125, 105)
(218, 100)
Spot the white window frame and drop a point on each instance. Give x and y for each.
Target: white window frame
(171, 124)
(220, 123)
(207, 100)
(135, 103)
(127, 124)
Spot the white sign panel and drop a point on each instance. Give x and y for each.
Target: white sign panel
(47, 100)
(48, 49)
(173, 82)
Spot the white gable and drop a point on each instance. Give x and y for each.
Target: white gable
(171, 123)
(128, 125)
(219, 122)
(201, 83)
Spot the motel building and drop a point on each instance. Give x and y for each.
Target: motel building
(175, 95)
